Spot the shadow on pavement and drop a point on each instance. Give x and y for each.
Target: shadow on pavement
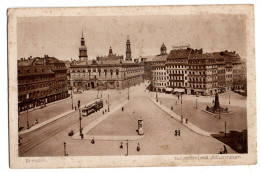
(236, 140)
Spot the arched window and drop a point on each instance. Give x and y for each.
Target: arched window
(117, 72)
(105, 72)
(111, 72)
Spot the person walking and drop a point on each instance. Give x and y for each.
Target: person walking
(186, 120)
(225, 150)
(179, 132)
(176, 133)
(138, 147)
(93, 141)
(121, 145)
(221, 151)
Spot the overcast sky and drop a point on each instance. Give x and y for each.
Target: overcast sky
(60, 36)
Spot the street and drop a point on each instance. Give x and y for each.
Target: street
(159, 129)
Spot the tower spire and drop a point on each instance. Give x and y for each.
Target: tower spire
(82, 32)
(128, 50)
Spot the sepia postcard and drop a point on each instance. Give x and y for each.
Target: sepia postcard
(132, 86)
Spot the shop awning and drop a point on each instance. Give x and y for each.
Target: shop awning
(169, 89)
(179, 90)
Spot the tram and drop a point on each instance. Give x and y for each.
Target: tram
(91, 108)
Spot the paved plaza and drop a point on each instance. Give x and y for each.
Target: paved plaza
(111, 128)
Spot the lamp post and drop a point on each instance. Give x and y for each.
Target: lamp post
(128, 90)
(126, 148)
(108, 103)
(229, 99)
(225, 128)
(196, 104)
(72, 107)
(65, 153)
(80, 129)
(181, 110)
(27, 118)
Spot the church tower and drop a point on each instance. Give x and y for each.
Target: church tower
(128, 50)
(83, 54)
(163, 49)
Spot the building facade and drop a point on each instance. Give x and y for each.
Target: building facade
(106, 72)
(158, 71)
(41, 81)
(192, 72)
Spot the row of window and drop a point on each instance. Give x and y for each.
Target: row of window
(31, 79)
(41, 85)
(176, 66)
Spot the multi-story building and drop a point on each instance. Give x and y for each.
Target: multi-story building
(41, 81)
(146, 62)
(177, 67)
(107, 71)
(221, 72)
(158, 71)
(202, 74)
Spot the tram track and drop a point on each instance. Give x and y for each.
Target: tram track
(33, 139)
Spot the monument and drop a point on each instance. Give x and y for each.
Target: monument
(216, 108)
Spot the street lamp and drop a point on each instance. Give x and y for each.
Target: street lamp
(28, 126)
(108, 103)
(80, 128)
(126, 148)
(65, 153)
(225, 128)
(128, 90)
(218, 113)
(72, 99)
(181, 110)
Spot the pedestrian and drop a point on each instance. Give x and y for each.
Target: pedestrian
(221, 151)
(103, 112)
(172, 108)
(93, 141)
(122, 109)
(186, 120)
(179, 132)
(121, 145)
(225, 150)
(36, 121)
(138, 147)
(176, 133)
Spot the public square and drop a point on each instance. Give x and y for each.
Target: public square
(109, 129)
